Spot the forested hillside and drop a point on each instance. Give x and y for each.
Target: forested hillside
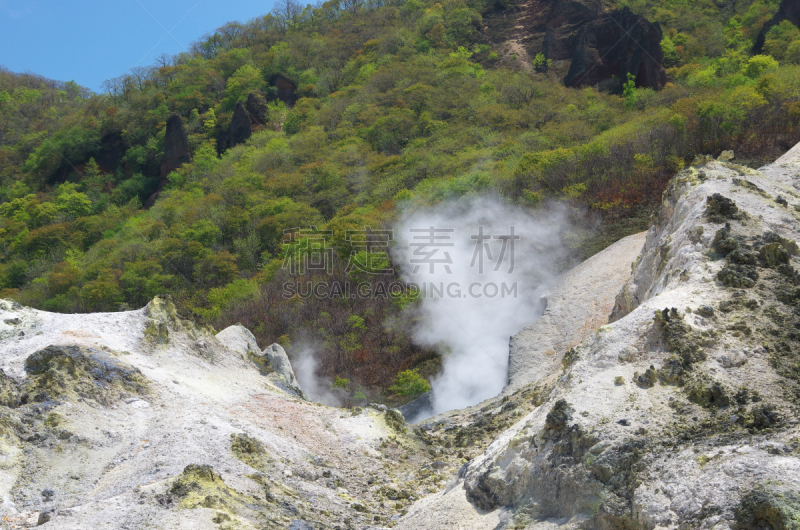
(349, 112)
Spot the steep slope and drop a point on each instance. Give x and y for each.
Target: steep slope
(588, 41)
(577, 304)
(683, 411)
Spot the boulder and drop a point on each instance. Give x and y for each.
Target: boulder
(273, 360)
(279, 362)
(239, 339)
(241, 125)
(45, 516)
(417, 408)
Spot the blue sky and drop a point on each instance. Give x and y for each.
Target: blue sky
(94, 40)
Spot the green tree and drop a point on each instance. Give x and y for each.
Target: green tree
(793, 53)
(670, 51)
(779, 38)
(242, 82)
(629, 91)
(72, 202)
(209, 122)
(758, 65)
(541, 63)
(410, 383)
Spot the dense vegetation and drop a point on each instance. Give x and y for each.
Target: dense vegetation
(400, 104)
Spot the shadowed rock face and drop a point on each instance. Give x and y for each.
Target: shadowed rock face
(553, 25)
(284, 89)
(412, 409)
(176, 153)
(789, 10)
(112, 151)
(257, 109)
(176, 147)
(609, 48)
(241, 125)
(601, 45)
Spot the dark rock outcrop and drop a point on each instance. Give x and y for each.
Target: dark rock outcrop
(241, 125)
(112, 151)
(257, 109)
(284, 89)
(64, 371)
(108, 154)
(789, 10)
(611, 47)
(413, 409)
(176, 153)
(601, 46)
(176, 147)
(552, 26)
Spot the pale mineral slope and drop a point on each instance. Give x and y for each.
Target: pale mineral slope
(578, 303)
(682, 412)
(102, 414)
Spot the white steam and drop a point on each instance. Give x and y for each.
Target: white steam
(468, 314)
(314, 387)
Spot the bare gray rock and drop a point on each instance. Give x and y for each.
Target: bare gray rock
(279, 362)
(272, 361)
(578, 304)
(239, 339)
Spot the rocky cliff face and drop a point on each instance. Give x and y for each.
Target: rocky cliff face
(577, 305)
(673, 404)
(553, 26)
(615, 45)
(112, 151)
(284, 89)
(598, 46)
(176, 153)
(257, 109)
(176, 147)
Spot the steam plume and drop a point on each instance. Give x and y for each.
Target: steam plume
(316, 388)
(468, 322)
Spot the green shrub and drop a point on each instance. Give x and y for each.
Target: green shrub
(758, 65)
(410, 383)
